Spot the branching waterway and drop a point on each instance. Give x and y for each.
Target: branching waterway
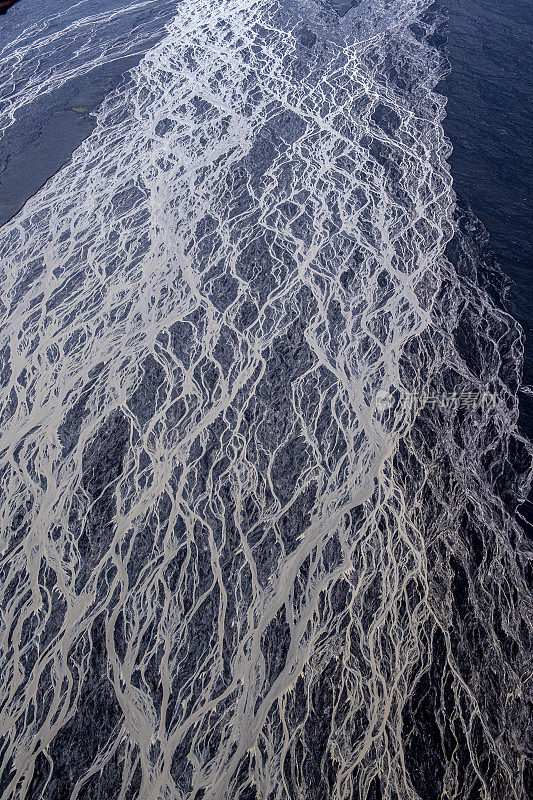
(236, 561)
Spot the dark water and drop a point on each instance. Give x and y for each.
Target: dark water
(250, 549)
(48, 130)
(489, 124)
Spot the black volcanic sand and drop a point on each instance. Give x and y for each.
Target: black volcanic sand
(45, 136)
(489, 122)
(6, 5)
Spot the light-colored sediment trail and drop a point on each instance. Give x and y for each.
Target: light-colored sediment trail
(63, 43)
(228, 572)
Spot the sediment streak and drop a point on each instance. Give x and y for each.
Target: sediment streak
(227, 570)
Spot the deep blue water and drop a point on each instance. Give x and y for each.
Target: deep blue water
(489, 122)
